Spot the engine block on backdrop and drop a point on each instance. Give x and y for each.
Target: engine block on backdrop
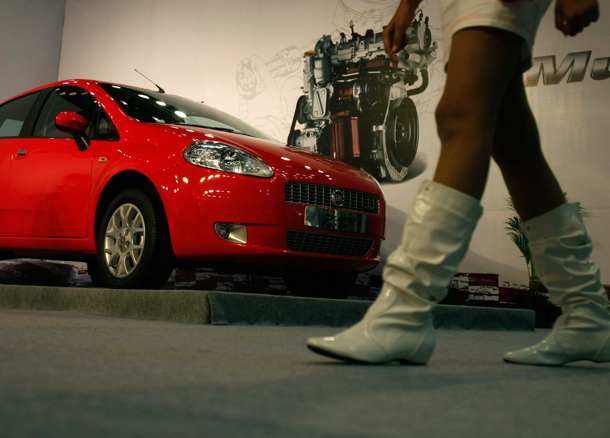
(357, 104)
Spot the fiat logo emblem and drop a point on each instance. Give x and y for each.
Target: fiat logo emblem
(338, 198)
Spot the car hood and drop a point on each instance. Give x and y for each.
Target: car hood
(273, 153)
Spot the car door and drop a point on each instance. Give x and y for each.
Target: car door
(13, 116)
(50, 178)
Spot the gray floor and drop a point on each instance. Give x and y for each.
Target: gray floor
(67, 374)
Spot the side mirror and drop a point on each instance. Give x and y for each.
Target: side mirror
(75, 125)
(71, 123)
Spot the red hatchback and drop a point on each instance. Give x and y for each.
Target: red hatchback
(136, 182)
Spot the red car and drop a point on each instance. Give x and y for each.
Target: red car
(136, 182)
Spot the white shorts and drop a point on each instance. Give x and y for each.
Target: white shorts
(519, 17)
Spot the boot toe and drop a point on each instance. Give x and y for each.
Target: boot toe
(545, 353)
(407, 345)
(338, 347)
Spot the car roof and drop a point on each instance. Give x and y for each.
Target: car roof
(77, 82)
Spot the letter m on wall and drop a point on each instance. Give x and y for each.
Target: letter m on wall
(574, 63)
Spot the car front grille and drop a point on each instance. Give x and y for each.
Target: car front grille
(322, 196)
(330, 244)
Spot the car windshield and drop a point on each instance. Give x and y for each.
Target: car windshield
(152, 107)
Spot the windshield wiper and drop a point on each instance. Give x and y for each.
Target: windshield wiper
(208, 127)
(217, 128)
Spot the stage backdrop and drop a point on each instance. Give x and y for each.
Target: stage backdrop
(247, 58)
(30, 44)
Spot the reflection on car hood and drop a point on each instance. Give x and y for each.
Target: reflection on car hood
(276, 154)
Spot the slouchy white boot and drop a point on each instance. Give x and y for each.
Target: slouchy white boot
(398, 326)
(561, 250)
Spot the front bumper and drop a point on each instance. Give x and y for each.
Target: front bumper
(195, 199)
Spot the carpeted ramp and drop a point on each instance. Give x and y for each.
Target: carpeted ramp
(230, 308)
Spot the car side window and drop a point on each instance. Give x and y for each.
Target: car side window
(14, 113)
(65, 98)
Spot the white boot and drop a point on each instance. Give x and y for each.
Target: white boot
(561, 250)
(398, 326)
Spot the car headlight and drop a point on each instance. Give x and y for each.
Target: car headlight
(220, 156)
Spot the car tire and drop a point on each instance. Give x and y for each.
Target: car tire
(320, 284)
(133, 243)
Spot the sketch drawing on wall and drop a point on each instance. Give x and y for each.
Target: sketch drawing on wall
(352, 102)
(357, 104)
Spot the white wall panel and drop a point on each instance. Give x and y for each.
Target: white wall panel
(30, 44)
(245, 57)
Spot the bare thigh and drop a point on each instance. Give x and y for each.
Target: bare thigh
(483, 62)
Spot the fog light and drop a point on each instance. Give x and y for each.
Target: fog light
(234, 233)
(223, 230)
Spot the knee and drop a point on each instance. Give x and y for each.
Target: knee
(447, 118)
(506, 159)
(460, 119)
(514, 159)
(513, 146)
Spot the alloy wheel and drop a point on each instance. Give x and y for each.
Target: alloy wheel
(124, 240)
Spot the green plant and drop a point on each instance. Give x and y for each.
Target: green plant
(515, 232)
(513, 226)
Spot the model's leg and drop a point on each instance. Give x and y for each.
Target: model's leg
(560, 245)
(482, 65)
(528, 177)
(398, 326)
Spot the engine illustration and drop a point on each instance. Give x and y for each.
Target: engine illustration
(357, 104)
